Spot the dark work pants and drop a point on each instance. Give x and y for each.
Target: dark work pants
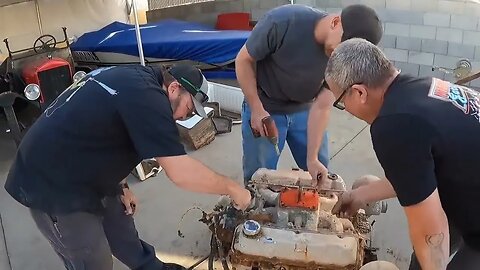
(466, 258)
(86, 242)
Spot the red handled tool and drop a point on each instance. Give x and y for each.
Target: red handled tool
(271, 132)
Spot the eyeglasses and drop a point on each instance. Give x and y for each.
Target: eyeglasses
(339, 102)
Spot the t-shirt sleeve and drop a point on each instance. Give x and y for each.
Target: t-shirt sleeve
(403, 145)
(264, 38)
(147, 116)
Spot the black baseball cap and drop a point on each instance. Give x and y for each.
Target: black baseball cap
(192, 79)
(360, 21)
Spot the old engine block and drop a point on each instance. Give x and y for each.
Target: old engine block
(290, 225)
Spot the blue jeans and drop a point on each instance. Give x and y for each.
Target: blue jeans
(292, 128)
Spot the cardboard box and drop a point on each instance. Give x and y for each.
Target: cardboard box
(197, 132)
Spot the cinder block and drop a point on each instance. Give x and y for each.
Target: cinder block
(464, 22)
(236, 6)
(400, 16)
(434, 46)
(426, 71)
(258, 14)
(348, 2)
(475, 83)
(310, 3)
(472, 8)
(421, 58)
(251, 5)
(423, 31)
(326, 4)
(321, 4)
(397, 29)
(402, 4)
(396, 54)
(425, 5)
(445, 61)
(449, 34)
(477, 52)
(461, 50)
(451, 7)
(388, 41)
(334, 10)
(210, 7)
(194, 9)
(470, 37)
(269, 4)
(407, 43)
(374, 3)
(436, 19)
(222, 6)
(408, 68)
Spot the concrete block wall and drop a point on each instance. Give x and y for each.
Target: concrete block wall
(207, 12)
(420, 34)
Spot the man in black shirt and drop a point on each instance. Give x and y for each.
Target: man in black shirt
(90, 139)
(425, 133)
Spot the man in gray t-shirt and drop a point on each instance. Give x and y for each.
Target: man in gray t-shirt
(280, 70)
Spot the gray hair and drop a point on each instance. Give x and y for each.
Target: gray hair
(358, 61)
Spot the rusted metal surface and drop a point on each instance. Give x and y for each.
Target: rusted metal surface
(364, 255)
(237, 258)
(292, 233)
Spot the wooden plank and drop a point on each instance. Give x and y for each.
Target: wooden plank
(469, 78)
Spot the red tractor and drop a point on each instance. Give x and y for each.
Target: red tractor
(32, 78)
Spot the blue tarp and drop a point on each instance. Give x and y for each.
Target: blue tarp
(170, 39)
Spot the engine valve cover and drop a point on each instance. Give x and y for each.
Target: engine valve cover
(294, 197)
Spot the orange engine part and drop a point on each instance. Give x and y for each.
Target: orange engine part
(294, 197)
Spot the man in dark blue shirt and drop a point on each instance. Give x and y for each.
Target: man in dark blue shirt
(425, 133)
(90, 139)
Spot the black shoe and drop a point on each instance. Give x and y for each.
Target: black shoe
(173, 266)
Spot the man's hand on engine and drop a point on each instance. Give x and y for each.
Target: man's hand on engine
(318, 171)
(241, 198)
(349, 203)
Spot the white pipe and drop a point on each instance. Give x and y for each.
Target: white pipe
(139, 37)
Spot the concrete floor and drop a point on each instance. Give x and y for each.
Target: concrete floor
(162, 204)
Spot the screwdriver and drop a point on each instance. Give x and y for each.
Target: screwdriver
(271, 132)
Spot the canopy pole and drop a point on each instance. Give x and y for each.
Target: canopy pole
(39, 18)
(139, 37)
